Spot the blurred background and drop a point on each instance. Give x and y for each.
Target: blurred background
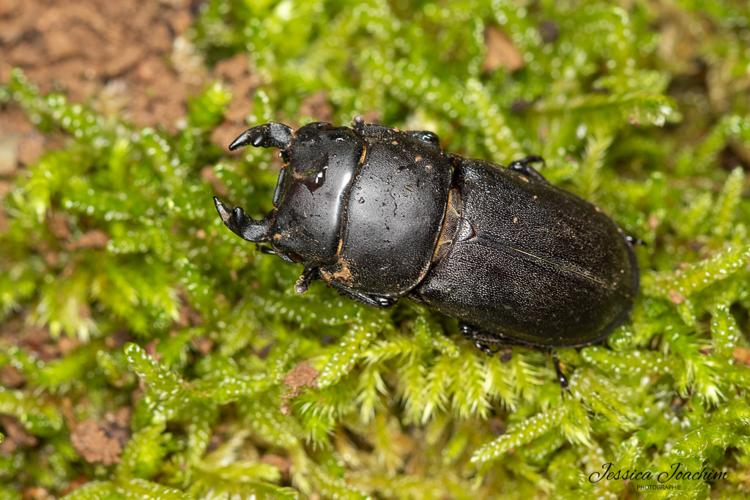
(145, 351)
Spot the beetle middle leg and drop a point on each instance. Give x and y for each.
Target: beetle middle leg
(524, 166)
(364, 298)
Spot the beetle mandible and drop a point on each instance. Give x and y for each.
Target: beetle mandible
(379, 213)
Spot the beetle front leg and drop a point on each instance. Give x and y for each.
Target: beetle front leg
(364, 298)
(523, 166)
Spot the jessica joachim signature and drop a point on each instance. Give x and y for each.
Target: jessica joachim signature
(676, 472)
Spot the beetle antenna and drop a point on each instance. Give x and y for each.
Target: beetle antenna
(268, 135)
(242, 225)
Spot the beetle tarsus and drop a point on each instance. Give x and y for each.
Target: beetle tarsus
(268, 135)
(425, 136)
(524, 166)
(240, 224)
(486, 348)
(507, 355)
(483, 342)
(467, 330)
(307, 276)
(633, 241)
(267, 250)
(358, 123)
(561, 378)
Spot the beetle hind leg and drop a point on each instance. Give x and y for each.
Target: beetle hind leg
(485, 342)
(561, 378)
(491, 344)
(524, 166)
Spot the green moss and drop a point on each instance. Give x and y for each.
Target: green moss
(402, 406)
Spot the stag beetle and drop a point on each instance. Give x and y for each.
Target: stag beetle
(380, 213)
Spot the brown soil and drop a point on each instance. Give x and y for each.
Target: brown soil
(235, 73)
(129, 57)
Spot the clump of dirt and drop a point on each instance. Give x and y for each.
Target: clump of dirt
(282, 463)
(11, 377)
(128, 57)
(741, 355)
(301, 376)
(90, 239)
(102, 441)
(16, 435)
(501, 52)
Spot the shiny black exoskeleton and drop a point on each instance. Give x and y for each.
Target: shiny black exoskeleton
(380, 213)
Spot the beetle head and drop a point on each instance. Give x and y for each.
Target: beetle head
(311, 193)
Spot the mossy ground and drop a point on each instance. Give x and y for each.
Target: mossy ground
(205, 374)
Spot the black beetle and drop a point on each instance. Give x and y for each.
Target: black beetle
(379, 213)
